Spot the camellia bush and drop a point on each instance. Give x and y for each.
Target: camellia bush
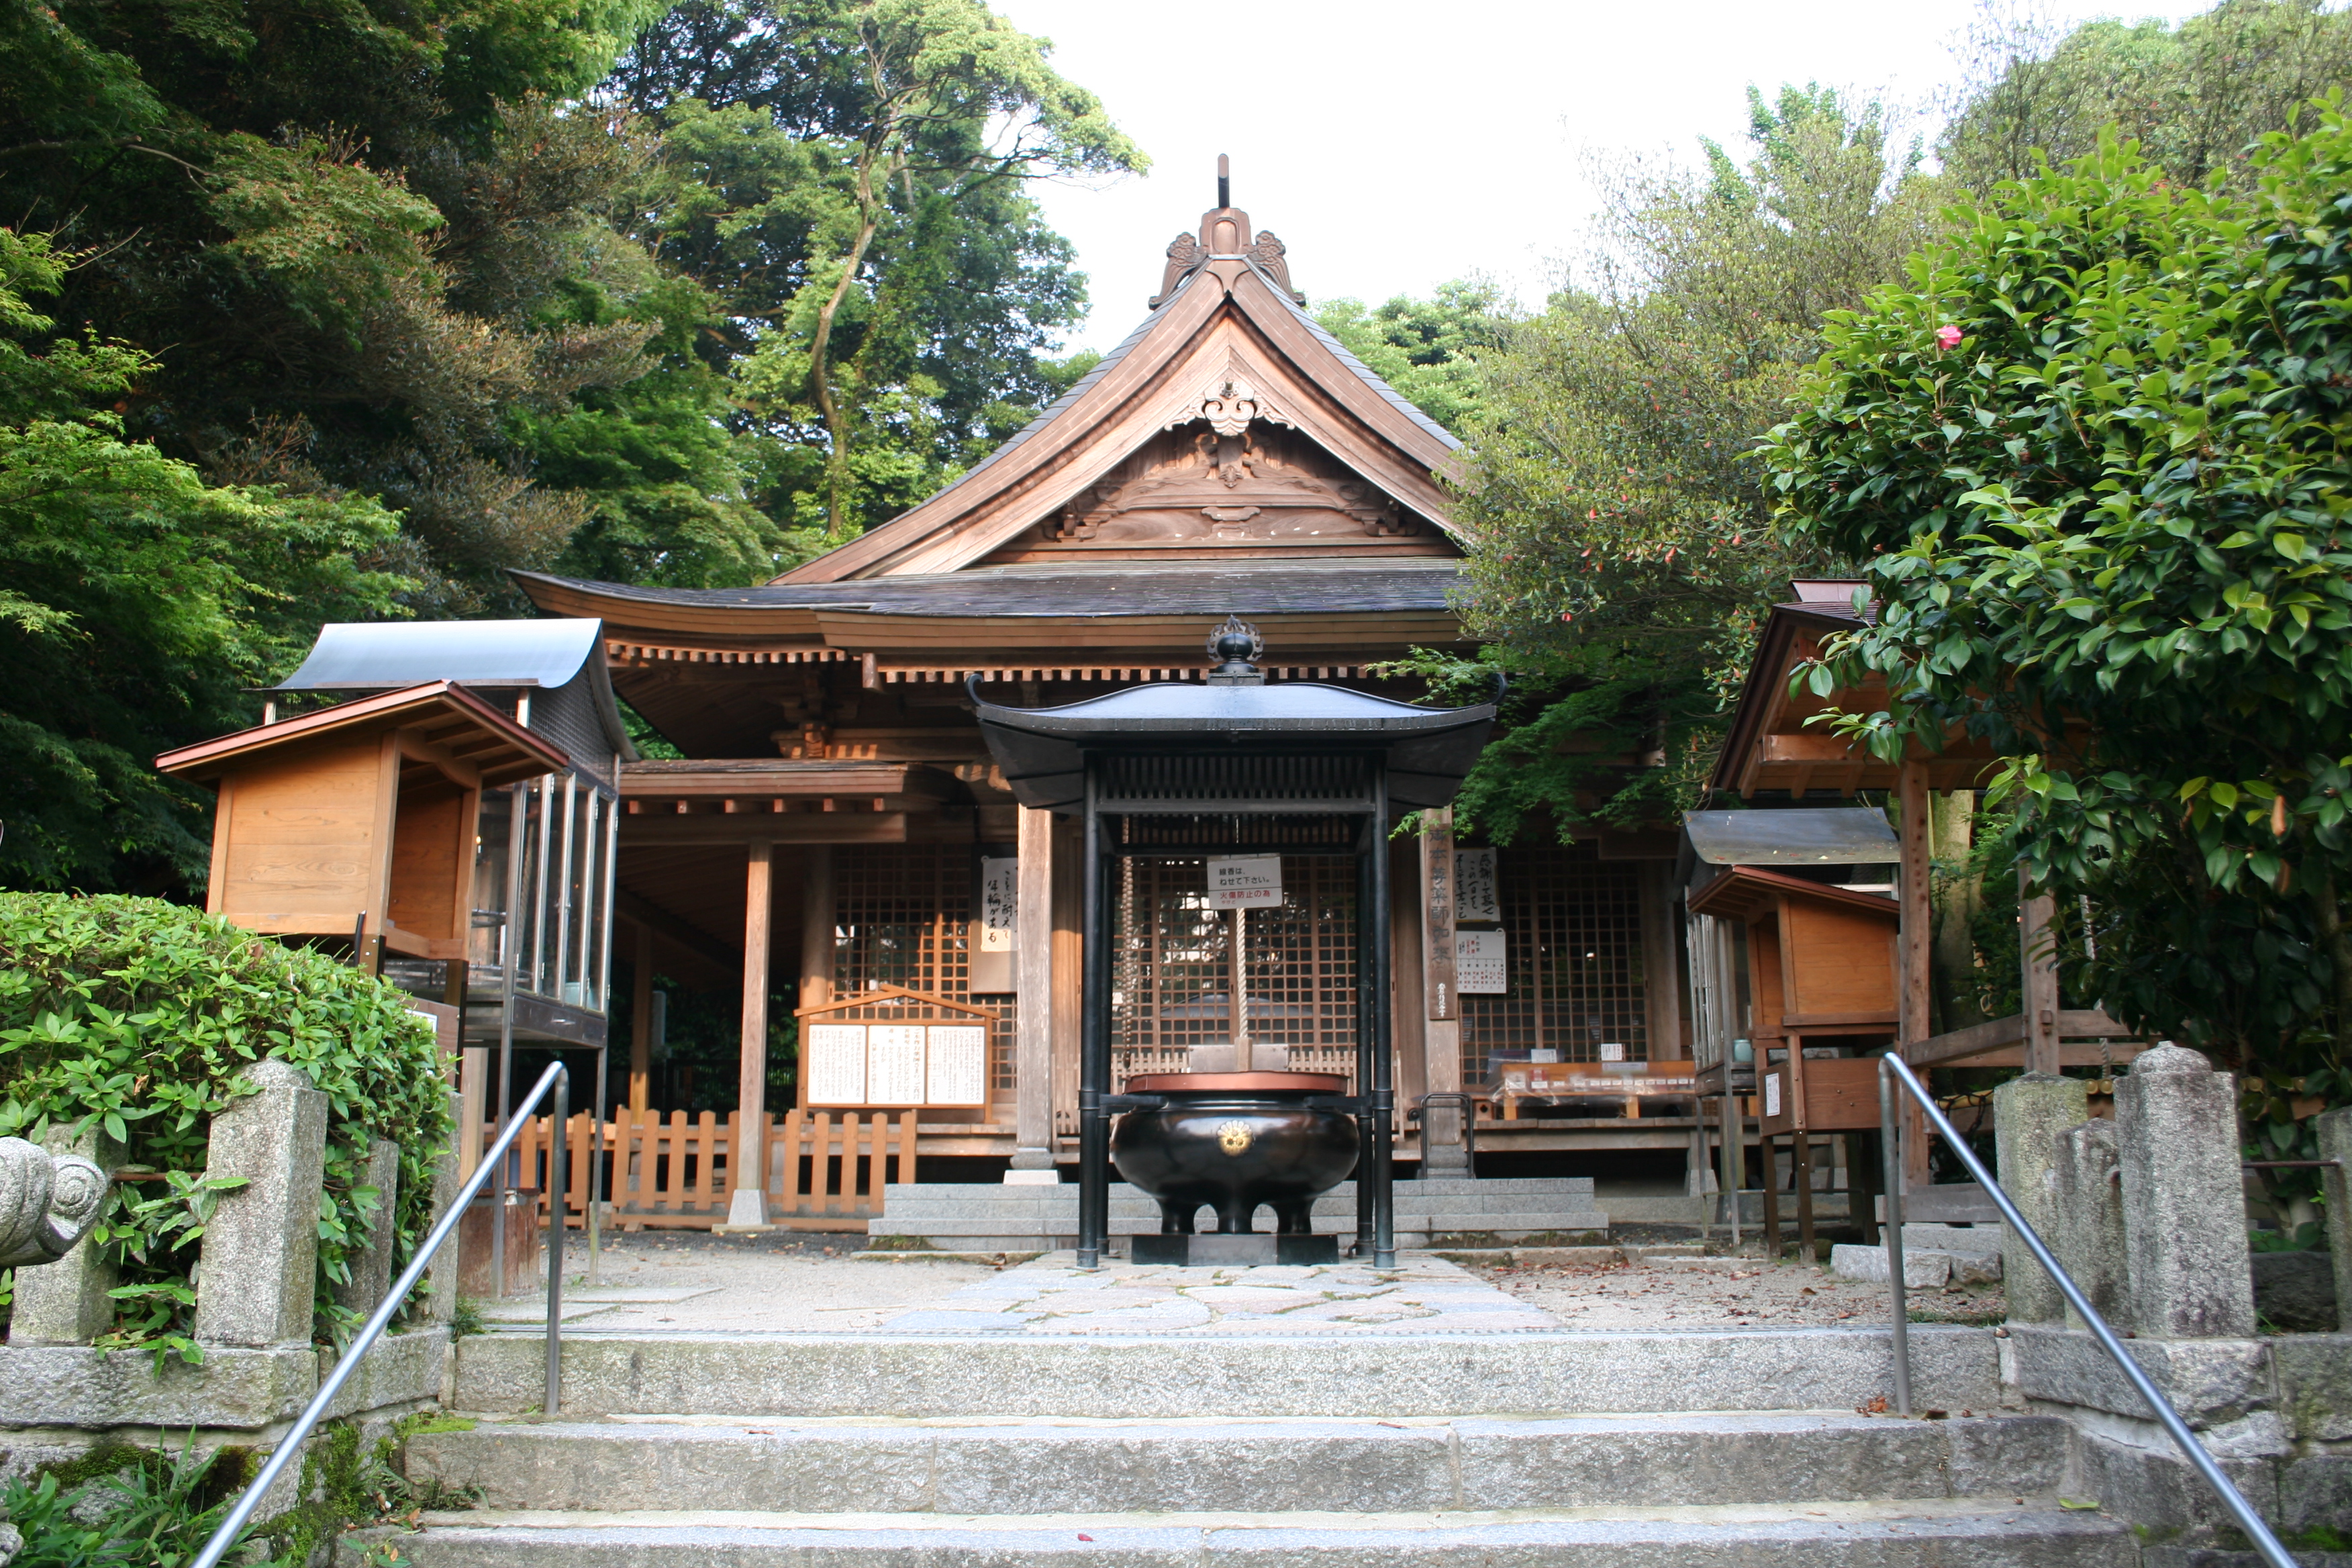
(136, 1017)
(2094, 459)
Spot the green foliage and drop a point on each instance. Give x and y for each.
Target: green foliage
(135, 1509)
(1426, 349)
(2107, 530)
(2195, 97)
(138, 600)
(135, 1017)
(1621, 549)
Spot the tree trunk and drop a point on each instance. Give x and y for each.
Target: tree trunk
(2337, 941)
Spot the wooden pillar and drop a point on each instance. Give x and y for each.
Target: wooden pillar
(1407, 1021)
(816, 929)
(1032, 979)
(1661, 974)
(641, 1022)
(1441, 1123)
(748, 1209)
(2039, 993)
(1912, 940)
(1070, 953)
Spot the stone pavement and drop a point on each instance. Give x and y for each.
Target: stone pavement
(1051, 1296)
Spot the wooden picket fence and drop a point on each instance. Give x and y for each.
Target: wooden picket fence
(826, 1171)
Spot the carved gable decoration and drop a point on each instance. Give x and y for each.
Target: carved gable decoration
(1228, 424)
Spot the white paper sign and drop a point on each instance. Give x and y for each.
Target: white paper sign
(1478, 966)
(1476, 896)
(1000, 900)
(894, 1064)
(958, 1065)
(1245, 882)
(1612, 1050)
(834, 1056)
(1772, 1094)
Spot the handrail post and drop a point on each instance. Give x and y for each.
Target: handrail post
(1893, 1070)
(558, 1198)
(290, 1444)
(1890, 1152)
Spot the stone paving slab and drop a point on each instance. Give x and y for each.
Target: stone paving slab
(1052, 1295)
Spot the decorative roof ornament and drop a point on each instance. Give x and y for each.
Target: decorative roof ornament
(1237, 647)
(1229, 408)
(1224, 234)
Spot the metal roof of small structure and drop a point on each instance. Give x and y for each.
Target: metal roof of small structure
(1828, 836)
(541, 655)
(375, 655)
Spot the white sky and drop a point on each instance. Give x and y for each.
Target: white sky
(1396, 144)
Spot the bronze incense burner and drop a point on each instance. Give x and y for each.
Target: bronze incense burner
(1233, 1140)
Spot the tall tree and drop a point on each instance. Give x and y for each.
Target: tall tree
(1622, 551)
(1428, 350)
(2195, 97)
(852, 183)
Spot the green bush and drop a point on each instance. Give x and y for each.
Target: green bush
(138, 1014)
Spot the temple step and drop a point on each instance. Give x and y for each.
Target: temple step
(1391, 1375)
(1968, 1534)
(1425, 1464)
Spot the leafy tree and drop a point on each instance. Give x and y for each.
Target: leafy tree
(2194, 97)
(139, 601)
(848, 178)
(1621, 549)
(2093, 458)
(1428, 350)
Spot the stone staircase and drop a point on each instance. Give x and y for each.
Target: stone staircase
(992, 1217)
(1446, 1450)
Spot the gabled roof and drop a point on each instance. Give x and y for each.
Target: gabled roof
(1224, 316)
(461, 726)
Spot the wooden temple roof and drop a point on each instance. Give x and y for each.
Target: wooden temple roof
(441, 724)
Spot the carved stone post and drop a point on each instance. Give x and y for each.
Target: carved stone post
(2184, 1198)
(258, 1270)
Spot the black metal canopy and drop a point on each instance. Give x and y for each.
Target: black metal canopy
(1425, 751)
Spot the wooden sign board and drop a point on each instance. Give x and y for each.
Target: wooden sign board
(896, 1064)
(1840, 1096)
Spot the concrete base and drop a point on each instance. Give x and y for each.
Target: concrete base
(1046, 1177)
(1212, 1250)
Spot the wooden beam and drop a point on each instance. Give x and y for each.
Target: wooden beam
(816, 933)
(750, 1172)
(641, 1023)
(1032, 979)
(647, 915)
(816, 827)
(1979, 1040)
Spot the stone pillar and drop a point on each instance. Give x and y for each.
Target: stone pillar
(1441, 1122)
(441, 1274)
(2184, 1198)
(257, 1268)
(65, 1302)
(2028, 1113)
(370, 1267)
(2038, 993)
(2090, 1239)
(747, 1209)
(1032, 979)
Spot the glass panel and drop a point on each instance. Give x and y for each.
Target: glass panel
(587, 882)
(531, 930)
(493, 835)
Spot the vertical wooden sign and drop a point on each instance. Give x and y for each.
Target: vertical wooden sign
(1437, 911)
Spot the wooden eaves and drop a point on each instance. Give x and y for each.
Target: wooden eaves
(441, 725)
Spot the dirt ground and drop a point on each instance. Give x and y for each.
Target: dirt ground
(1717, 1292)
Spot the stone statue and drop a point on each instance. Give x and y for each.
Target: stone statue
(48, 1203)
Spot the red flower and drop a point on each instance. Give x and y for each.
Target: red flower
(1948, 336)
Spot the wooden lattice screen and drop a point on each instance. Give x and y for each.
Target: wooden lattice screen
(1171, 985)
(901, 917)
(1573, 941)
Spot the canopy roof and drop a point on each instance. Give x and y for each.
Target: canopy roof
(1042, 751)
(376, 656)
(1832, 835)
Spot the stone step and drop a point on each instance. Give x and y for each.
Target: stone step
(1388, 1374)
(1833, 1535)
(1035, 1467)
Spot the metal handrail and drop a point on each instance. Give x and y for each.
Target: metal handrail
(290, 1446)
(1894, 1071)
(1469, 1105)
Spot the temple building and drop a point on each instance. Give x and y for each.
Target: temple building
(838, 826)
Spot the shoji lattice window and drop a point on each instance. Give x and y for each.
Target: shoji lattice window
(1573, 928)
(1172, 978)
(901, 916)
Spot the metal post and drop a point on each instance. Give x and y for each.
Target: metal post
(1384, 1095)
(1094, 1043)
(1367, 1203)
(557, 1196)
(1891, 1155)
(509, 951)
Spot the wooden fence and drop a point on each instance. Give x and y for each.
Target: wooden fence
(825, 1170)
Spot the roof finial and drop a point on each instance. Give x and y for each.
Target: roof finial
(1225, 181)
(1235, 645)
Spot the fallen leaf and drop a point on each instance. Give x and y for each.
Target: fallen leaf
(1086, 1538)
(1809, 1291)
(2080, 1505)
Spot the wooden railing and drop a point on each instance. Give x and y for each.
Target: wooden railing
(825, 1170)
